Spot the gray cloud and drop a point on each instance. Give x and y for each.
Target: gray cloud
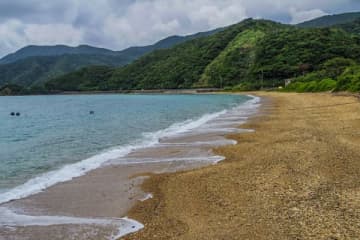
(118, 24)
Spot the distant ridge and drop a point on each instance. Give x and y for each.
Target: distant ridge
(331, 20)
(131, 52)
(33, 65)
(57, 50)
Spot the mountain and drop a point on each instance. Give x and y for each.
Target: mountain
(33, 65)
(330, 20)
(130, 53)
(246, 56)
(57, 50)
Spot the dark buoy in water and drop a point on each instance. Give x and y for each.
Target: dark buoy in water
(92, 112)
(12, 114)
(17, 114)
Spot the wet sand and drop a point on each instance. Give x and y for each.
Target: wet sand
(296, 177)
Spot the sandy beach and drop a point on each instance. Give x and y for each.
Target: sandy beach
(295, 177)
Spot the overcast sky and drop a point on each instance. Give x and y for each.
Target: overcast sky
(117, 24)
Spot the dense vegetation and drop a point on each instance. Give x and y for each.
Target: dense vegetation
(339, 74)
(183, 66)
(94, 78)
(352, 27)
(179, 67)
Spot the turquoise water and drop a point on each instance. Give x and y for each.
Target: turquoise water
(53, 131)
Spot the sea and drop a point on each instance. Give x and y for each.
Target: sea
(57, 138)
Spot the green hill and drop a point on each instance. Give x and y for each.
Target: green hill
(330, 20)
(246, 56)
(34, 65)
(178, 67)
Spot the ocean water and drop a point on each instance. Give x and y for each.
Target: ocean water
(56, 138)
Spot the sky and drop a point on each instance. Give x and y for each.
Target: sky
(117, 24)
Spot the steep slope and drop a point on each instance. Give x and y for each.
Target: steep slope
(330, 20)
(232, 65)
(181, 66)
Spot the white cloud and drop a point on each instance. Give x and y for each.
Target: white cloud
(16, 34)
(147, 21)
(118, 24)
(11, 33)
(52, 33)
(302, 16)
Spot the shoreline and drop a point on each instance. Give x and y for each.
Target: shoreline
(294, 177)
(116, 185)
(151, 91)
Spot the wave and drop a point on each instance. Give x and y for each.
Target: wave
(123, 226)
(71, 171)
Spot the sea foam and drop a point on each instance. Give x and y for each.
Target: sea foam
(123, 226)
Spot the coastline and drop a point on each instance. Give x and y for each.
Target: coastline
(295, 177)
(182, 146)
(145, 91)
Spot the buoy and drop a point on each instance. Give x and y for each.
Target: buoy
(17, 114)
(92, 112)
(12, 114)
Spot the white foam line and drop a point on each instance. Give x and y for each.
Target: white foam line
(232, 118)
(125, 226)
(219, 130)
(200, 143)
(211, 159)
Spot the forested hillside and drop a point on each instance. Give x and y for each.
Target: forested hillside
(250, 55)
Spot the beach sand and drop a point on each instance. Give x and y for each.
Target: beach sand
(296, 177)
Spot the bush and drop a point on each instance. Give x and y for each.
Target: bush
(336, 66)
(242, 87)
(349, 80)
(326, 84)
